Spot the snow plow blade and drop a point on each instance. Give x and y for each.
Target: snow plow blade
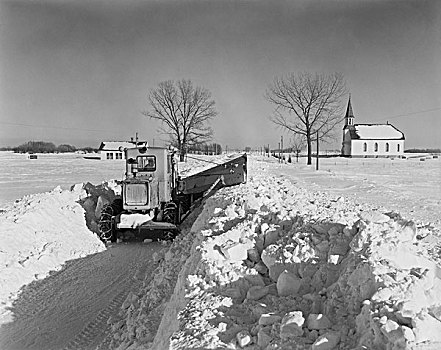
(158, 230)
(149, 229)
(231, 172)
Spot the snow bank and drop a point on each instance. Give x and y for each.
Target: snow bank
(268, 265)
(42, 231)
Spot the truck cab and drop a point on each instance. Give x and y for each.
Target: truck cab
(149, 179)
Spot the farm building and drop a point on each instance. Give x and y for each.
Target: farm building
(370, 140)
(113, 150)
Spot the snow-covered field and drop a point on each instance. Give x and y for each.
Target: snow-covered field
(293, 259)
(410, 186)
(22, 176)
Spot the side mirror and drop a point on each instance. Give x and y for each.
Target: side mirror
(131, 161)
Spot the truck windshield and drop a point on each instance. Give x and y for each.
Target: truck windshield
(146, 163)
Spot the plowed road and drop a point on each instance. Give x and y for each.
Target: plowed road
(70, 308)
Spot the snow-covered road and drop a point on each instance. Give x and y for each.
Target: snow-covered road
(71, 308)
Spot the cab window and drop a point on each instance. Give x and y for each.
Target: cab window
(146, 163)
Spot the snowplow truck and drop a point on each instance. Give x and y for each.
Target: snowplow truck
(154, 199)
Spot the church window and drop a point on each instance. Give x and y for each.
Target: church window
(365, 147)
(398, 148)
(387, 147)
(376, 147)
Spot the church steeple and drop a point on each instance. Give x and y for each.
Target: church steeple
(349, 117)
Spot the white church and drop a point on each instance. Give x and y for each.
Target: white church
(370, 140)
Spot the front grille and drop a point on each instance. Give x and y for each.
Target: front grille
(136, 194)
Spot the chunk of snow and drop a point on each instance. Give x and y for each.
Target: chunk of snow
(133, 220)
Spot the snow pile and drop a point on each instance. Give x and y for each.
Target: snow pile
(402, 288)
(95, 199)
(267, 265)
(42, 231)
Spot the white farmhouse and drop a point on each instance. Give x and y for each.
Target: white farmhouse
(370, 140)
(115, 149)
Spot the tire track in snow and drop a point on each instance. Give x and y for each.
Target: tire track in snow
(97, 328)
(70, 308)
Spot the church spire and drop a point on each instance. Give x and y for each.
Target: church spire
(349, 117)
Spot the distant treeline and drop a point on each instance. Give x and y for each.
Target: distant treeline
(205, 148)
(423, 150)
(46, 147)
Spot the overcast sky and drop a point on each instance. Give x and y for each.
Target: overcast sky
(79, 72)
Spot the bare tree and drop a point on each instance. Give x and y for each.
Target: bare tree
(298, 143)
(308, 104)
(184, 111)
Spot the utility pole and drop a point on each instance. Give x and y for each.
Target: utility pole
(281, 145)
(317, 162)
(279, 152)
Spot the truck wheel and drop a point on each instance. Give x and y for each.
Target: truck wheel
(106, 224)
(170, 213)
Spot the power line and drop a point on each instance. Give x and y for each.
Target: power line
(410, 114)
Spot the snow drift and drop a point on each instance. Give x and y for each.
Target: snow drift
(42, 231)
